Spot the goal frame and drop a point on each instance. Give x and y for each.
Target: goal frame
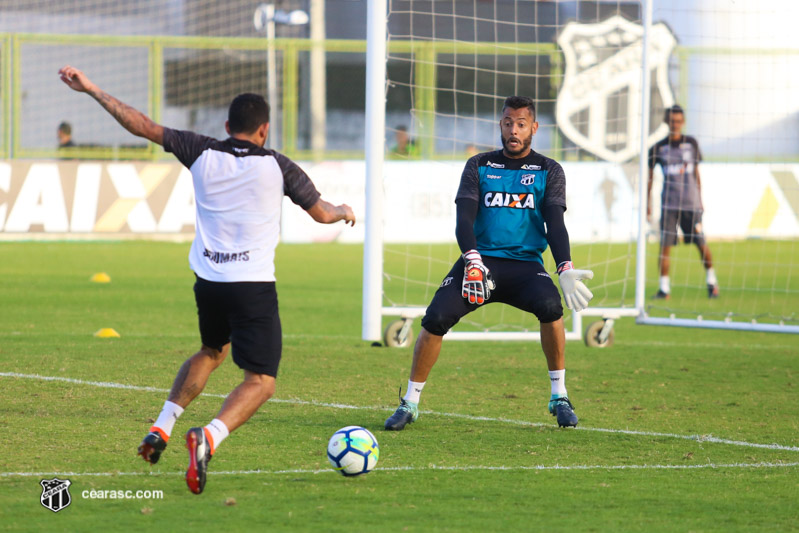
(373, 310)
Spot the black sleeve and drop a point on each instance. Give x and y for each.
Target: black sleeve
(296, 183)
(466, 214)
(557, 236)
(470, 181)
(186, 145)
(555, 193)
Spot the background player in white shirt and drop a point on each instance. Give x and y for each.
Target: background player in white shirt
(239, 188)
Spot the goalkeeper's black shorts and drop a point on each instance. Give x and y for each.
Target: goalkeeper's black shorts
(244, 314)
(690, 223)
(522, 284)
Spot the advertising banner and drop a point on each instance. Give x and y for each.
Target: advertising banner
(101, 200)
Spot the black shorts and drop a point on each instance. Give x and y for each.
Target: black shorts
(690, 222)
(522, 284)
(244, 314)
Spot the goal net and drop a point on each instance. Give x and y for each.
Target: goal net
(734, 73)
(450, 65)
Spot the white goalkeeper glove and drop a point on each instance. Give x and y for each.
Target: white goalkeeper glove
(477, 280)
(574, 290)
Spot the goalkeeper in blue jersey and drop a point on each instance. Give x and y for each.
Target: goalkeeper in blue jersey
(681, 201)
(510, 206)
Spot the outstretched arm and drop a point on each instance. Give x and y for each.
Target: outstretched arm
(557, 235)
(466, 214)
(131, 119)
(327, 213)
(575, 293)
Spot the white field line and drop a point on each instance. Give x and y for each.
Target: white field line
(670, 344)
(697, 438)
(418, 468)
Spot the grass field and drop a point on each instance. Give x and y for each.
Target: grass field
(680, 430)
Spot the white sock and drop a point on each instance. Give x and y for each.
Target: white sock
(711, 276)
(414, 391)
(218, 431)
(665, 286)
(558, 380)
(166, 420)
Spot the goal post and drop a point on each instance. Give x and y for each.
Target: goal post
(601, 72)
(474, 76)
(643, 167)
(738, 96)
(377, 28)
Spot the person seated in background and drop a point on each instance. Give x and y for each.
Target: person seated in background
(472, 150)
(64, 134)
(405, 145)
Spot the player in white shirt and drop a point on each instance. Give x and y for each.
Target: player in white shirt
(239, 187)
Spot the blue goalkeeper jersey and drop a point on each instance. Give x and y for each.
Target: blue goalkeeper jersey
(510, 194)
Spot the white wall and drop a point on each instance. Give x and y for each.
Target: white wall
(741, 201)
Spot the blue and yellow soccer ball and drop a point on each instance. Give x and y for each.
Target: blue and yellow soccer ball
(353, 451)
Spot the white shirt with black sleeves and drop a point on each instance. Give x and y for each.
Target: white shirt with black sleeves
(238, 189)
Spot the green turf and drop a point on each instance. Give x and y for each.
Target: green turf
(513, 470)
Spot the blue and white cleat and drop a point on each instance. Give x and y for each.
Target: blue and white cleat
(406, 413)
(563, 409)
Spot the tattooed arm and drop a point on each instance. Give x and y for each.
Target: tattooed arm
(132, 120)
(327, 213)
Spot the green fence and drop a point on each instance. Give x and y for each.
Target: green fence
(14, 67)
(5, 95)
(170, 72)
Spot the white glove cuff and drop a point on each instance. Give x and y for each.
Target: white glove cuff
(472, 256)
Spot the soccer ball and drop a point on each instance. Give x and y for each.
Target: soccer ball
(353, 451)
